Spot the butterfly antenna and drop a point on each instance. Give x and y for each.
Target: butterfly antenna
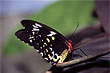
(79, 48)
(75, 30)
(72, 35)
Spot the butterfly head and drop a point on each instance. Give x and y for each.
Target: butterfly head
(70, 46)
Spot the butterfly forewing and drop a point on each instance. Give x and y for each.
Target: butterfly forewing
(47, 41)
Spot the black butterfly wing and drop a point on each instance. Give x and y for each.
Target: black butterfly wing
(47, 41)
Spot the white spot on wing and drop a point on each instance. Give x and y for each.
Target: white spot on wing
(46, 58)
(34, 29)
(50, 49)
(38, 25)
(44, 52)
(51, 33)
(34, 26)
(39, 35)
(37, 43)
(37, 50)
(53, 54)
(41, 47)
(34, 39)
(33, 33)
(41, 53)
(31, 37)
(50, 44)
(30, 41)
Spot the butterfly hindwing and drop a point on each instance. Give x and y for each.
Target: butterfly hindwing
(47, 41)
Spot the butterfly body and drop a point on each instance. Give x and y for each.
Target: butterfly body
(53, 46)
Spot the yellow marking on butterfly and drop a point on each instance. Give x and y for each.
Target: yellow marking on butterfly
(48, 40)
(47, 50)
(63, 56)
(55, 60)
(53, 38)
(60, 59)
(49, 57)
(45, 43)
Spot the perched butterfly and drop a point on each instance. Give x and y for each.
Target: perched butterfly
(53, 46)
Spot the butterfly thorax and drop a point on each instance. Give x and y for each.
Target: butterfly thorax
(69, 44)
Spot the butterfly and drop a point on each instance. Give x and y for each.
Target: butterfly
(52, 45)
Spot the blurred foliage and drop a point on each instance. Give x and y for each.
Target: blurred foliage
(61, 15)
